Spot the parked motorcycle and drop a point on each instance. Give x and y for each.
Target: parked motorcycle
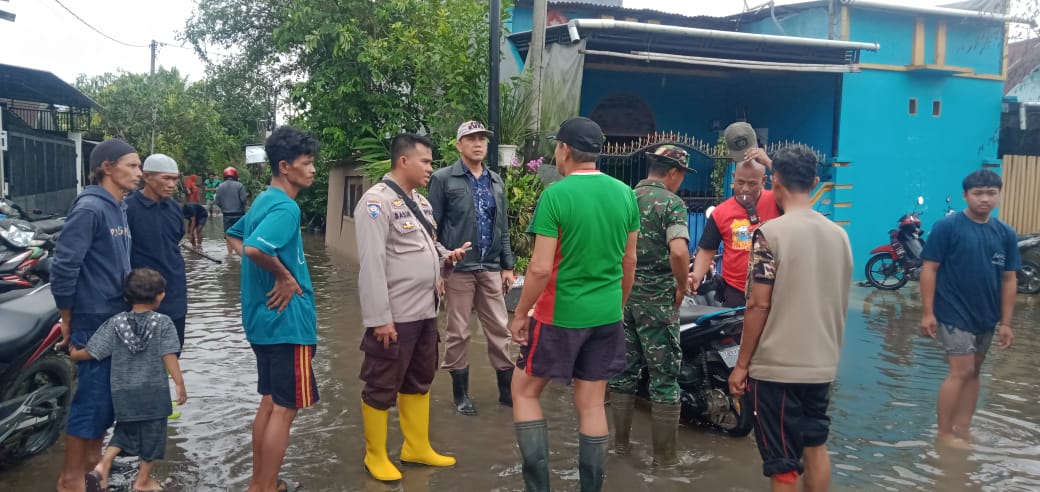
(24, 251)
(893, 264)
(1029, 275)
(35, 381)
(710, 341)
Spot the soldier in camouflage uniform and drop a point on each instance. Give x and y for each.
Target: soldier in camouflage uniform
(652, 314)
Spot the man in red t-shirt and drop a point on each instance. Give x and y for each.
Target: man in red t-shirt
(732, 223)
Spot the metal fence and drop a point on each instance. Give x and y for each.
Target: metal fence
(40, 171)
(1021, 203)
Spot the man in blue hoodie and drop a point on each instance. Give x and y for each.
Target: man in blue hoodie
(91, 259)
(157, 228)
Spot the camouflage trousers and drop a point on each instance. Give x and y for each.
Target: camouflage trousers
(652, 338)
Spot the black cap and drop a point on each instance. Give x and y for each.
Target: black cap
(109, 151)
(581, 134)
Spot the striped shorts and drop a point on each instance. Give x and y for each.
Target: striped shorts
(284, 371)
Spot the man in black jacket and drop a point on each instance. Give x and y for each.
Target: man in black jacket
(469, 206)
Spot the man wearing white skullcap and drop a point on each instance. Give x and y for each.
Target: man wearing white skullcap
(157, 226)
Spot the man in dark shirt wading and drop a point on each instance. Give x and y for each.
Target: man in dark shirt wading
(968, 285)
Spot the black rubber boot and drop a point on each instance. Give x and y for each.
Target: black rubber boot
(533, 439)
(592, 457)
(664, 429)
(622, 407)
(505, 382)
(460, 390)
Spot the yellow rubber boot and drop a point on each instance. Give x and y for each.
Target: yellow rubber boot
(377, 463)
(415, 425)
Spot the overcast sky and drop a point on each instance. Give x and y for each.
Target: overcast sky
(47, 37)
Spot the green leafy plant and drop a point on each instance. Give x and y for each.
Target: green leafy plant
(523, 187)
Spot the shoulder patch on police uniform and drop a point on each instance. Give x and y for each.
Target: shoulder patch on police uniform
(374, 207)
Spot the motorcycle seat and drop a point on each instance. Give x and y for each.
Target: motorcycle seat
(691, 313)
(49, 226)
(26, 322)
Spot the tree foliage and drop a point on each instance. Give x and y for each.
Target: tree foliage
(187, 125)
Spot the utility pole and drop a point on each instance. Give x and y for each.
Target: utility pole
(494, 100)
(154, 46)
(534, 61)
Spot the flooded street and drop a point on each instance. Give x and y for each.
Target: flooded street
(883, 409)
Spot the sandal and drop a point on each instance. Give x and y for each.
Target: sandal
(93, 482)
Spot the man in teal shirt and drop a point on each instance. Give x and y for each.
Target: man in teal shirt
(278, 301)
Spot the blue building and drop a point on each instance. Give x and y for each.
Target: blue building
(901, 101)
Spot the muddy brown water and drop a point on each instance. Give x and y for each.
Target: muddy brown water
(882, 409)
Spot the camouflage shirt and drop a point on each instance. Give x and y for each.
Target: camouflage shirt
(662, 217)
(762, 267)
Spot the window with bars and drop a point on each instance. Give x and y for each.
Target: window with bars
(352, 190)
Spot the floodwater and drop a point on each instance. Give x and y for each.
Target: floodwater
(882, 409)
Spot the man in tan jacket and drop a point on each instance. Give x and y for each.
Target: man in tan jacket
(401, 264)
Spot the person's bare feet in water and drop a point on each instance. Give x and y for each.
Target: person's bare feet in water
(146, 484)
(953, 442)
(964, 434)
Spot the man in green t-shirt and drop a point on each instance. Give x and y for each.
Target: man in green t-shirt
(581, 271)
(211, 185)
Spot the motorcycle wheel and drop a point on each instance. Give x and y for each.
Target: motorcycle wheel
(1029, 278)
(49, 370)
(740, 423)
(884, 273)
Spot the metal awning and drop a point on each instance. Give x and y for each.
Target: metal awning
(27, 84)
(621, 37)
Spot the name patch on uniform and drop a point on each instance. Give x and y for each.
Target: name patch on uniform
(398, 203)
(374, 207)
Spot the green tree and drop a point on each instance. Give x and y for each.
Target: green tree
(186, 125)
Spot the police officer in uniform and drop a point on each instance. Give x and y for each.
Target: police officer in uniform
(401, 263)
(652, 311)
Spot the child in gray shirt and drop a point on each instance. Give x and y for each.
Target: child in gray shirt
(143, 345)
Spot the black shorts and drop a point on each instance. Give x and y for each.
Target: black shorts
(146, 439)
(229, 220)
(196, 211)
(589, 354)
(789, 417)
(284, 371)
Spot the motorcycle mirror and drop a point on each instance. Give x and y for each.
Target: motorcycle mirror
(920, 200)
(707, 213)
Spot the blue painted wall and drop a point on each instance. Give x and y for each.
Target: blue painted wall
(896, 157)
(793, 106)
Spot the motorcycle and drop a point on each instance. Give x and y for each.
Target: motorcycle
(35, 381)
(24, 251)
(1029, 275)
(893, 264)
(710, 341)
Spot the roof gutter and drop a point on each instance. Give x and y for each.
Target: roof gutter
(573, 25)
(948, 12)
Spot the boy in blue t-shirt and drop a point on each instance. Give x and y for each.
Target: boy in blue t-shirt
(968, 285)
(278, 301)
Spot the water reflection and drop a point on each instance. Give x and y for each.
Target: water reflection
(883, 410)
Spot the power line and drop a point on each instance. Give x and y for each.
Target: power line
(85, 23)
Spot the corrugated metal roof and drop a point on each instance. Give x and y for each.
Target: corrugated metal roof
(28, 84)
(1023, 59)
(615, 8)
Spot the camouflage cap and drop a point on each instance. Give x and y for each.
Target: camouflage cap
(672, 155)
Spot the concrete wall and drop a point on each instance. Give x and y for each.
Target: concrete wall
(893, 157)
(340, 234)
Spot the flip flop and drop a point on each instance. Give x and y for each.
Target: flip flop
(93, 482)
(289, 486)
(174, 414)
